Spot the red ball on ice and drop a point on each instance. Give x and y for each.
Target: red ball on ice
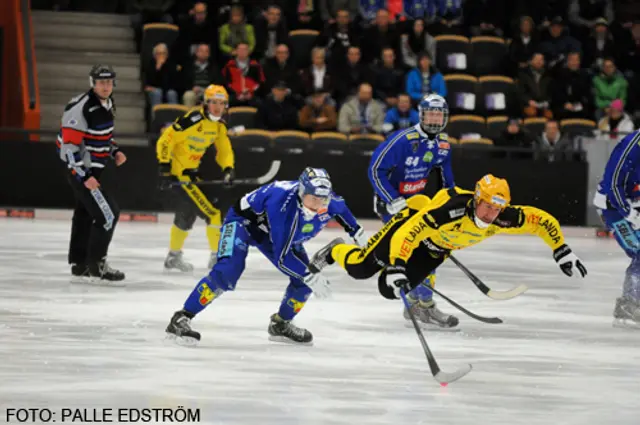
(444, 384)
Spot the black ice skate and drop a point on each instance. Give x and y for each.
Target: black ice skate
(626, 314)
(284, 331)
(322, 258)
(102, 272)
(175, 261)
(429, 314)
(79, 273)
(179, 328)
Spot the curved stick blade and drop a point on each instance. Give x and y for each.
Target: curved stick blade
(509, 294)
(449, 377)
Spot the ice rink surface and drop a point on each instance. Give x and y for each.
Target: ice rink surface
(556, 360)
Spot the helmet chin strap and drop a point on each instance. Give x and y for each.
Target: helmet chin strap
(479, 223)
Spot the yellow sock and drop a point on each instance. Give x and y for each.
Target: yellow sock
(213, 235)
(178, 236)
(339, 253)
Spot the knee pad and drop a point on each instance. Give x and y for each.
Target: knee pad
(184, 220)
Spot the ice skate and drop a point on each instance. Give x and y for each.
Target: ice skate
(103, 274)
(626, 314)
(175, 261)
(179, 329)
(322, 258)
(79, 273)
(213, 259)
(284, 331)
(430, 316)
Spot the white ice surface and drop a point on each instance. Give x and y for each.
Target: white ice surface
(556, 359)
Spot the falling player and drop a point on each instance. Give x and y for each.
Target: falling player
(419, 238)
(618, 203)
(277, 219)
(180, 150)
(399, 169)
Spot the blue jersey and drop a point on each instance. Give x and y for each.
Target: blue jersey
(275, 210)
(621, 176)
(399, 167)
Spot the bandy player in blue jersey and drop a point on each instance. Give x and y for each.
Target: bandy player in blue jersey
(277, 219)
(399, 169)
(618, 203)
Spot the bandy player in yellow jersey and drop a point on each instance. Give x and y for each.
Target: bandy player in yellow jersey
(180, 150)
(419, 238)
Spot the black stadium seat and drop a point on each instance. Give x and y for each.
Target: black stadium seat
(497, 96)
(165, 114)
(291, 141)
(496, 125)
(242, 116)
(578, 127)
(464, 126)
(301, 43)
(254, 140)
(535, 126)
(153, 34)
(488, 55)
(453, 54)
(462, 93)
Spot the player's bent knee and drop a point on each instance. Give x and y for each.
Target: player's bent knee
(183, 221)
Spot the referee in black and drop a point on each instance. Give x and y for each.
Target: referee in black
(85, 143)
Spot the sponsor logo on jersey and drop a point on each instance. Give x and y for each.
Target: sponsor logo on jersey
(412, 136)
(324, 217)
(295, 304)
(307, 228)
(428, 157)
(412, 187)
(206, 294)
(443, 152)
(415, 231)
(444, 145)
(458, 212)
(212, 133)
(431, 144)
(196, 118)
(195, 139)
(414, 146)
(443, 136)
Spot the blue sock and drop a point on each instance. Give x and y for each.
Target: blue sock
(205, 291)
(423, 291)
(294, 299)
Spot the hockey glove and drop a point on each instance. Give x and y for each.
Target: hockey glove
(392, 280)
(359, 238)
(166, 179)
(568, 261)
(634, 215)
(318, 284)
(397, 205)
(193, 174)
(229, 176)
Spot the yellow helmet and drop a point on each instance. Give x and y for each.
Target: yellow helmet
(216, 92)
(493, 190)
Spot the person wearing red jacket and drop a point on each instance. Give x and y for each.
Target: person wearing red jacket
(243, 76)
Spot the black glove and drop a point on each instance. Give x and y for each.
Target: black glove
(192, 173)
(568, 261)
(229, 176)
(165, 177)
(392, 280)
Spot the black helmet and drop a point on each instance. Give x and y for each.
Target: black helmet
(101, 72)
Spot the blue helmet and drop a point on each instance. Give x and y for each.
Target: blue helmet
(434, 113)
(316, 182)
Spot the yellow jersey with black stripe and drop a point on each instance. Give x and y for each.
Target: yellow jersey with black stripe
(184, 143)
(447, 222)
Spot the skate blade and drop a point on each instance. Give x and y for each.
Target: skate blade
(432, 327)
(79, 280)
(95, 281)
(286, 340)
(183, 341)
(626, 324)
(177, 271)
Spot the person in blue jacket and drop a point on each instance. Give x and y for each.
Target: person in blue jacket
(618, 203)
(277, 219)
(399, 169)
(425, 79)
(401, 116)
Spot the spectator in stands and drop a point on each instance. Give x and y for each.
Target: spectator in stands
(308, 15)
(523, 45)
(416, 41)
(361, 114)
(280, 68)
(369, 10)
(584, 15)
(388, 81)
(352, 74)
(278, 111)
(554, 144)
(402, 116)
(558, 44)
(195, 30)
(235, 32)
(198, 75)
(542, 11)
(424, 10)
(425, 79)
(534, 88)
(571, 91)
(329, 9)
(514, 136)
(449, 18)
(148, 11)
(318, 114)
(270, 31)
(485, 17)
(608, 86)
(599, 45)
(317, 76)
(338, 37)
(161, 77)
(617, 123)
(243, 76)
(382, 34)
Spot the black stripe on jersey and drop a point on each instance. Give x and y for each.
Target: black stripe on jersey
(188, 120)
(510, 217)
(456, 207)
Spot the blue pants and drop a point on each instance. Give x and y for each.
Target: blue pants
(235, 240)
(423, 291)
(629, 241)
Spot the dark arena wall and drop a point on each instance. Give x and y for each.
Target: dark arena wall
(557, 187)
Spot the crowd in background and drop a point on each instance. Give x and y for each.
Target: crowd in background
(374, 59)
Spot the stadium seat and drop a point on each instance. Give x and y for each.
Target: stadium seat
(291, 141)
(165, 114)
(242, 116)
(329, 136)
(462, 93)
(331, 142)
(535, 126)
(496, 125)
(497, 95)
(254, 140)
(301, 42)
(467, 126)
(153, 34)
(453, 54)
(488, 55)
(452, 140)
(482, 142)
(365, 142)
(577, 127)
